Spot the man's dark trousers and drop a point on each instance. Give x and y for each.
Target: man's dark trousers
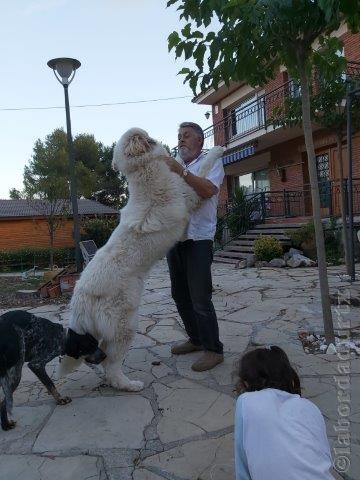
(191, 288)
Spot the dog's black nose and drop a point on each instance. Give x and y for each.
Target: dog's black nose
(97, 357)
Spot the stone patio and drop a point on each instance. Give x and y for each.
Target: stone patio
(180, 427)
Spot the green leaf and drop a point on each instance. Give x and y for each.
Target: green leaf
(186, 31)
(173, 40)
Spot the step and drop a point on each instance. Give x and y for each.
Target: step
(234, 248)
(223, 253)
(242, 242)
(268, 231)
(284, 226)
(233, 261)
(255, 236)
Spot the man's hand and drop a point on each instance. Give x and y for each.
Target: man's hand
(173, 164)
(202, 186)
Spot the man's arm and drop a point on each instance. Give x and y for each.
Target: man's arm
(202, 186)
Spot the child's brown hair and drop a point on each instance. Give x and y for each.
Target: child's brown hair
(267, 367)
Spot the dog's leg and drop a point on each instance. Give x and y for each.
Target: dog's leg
(116, 351)
(9, 382)
(40, 372)
(6, 405)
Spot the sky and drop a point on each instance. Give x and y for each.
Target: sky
(122, 47)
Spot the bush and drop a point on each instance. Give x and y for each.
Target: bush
(301, 235)
(243, 210)
(304, 238)
(26, 258)
(266, 248)
(98, 229)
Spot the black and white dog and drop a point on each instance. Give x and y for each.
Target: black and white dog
(27, 338)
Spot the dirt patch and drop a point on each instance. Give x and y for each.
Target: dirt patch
(8, 293)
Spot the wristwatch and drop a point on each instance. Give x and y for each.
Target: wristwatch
(184, 172)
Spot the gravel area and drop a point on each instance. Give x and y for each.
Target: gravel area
(9, 298)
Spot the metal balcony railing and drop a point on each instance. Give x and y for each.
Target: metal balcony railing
(297, 203)
(258, 115)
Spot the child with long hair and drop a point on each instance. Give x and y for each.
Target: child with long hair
(278, 434)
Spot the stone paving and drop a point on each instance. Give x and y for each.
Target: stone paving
(180, 427)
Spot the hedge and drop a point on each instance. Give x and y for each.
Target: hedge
(26, 258)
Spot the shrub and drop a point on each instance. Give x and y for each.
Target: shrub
(98, 229)
(266, 248)
(243, 210)
(332, 235)
(300, 235)
(26, 258)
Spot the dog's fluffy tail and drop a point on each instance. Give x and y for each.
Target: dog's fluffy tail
(67, 365)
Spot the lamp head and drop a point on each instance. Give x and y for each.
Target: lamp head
(64, 69)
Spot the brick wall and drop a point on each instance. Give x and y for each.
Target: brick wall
(219, 130)
(351, 45)
(28, 233)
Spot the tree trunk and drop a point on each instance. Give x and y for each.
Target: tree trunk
(343, 201)
(52, 234)
(315, 198)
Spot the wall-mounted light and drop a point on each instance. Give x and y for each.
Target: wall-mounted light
(207, 115)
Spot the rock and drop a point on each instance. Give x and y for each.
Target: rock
(291, 252)
(250, 260)
(298, 260)
(277, 262)
(261, 263)
(331, 349)
(27, 294)
(241, 264)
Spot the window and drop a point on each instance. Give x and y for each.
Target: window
(323, 173)
(247, 116)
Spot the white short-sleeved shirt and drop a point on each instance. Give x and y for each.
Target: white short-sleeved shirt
(280, 436)
(202, 224)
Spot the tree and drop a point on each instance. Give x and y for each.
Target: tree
(47, 182)
(111, 189)
(328, 111)
(253, 39)
(15, 194)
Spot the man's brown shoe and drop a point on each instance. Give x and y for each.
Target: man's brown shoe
(185, 347)
(208, 361)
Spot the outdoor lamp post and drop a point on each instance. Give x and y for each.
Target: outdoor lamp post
(64, 70)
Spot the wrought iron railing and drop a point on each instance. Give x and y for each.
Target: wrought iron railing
(258, 114)
(297, 203)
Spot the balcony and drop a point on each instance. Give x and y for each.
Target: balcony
(289, 204)
(246, 125)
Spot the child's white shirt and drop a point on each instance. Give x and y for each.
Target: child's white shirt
(280, 436)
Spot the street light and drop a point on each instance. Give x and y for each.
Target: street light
(64, 70)
(349, 97)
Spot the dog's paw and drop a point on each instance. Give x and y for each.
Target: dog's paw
(9, 425)
(63, 400)
(135, 386)
(128, 385)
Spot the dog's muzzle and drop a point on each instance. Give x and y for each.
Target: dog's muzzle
(95, 358)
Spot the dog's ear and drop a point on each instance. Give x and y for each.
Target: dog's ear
(138, 145)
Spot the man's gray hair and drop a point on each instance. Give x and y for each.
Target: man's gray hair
(195, 127)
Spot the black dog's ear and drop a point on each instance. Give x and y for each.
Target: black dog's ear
(79, 345)
(90, 341)
(72, 344)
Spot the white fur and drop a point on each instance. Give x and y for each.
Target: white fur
(107, 296)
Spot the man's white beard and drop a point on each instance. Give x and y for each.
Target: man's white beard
(185, 154)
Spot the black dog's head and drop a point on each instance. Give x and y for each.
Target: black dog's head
(83, 346)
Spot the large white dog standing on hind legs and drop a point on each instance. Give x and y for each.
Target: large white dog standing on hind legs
(107, 296)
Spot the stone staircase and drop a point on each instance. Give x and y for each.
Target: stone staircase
(242, 248)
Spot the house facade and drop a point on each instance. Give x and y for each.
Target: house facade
(24, 224)
(273, 161)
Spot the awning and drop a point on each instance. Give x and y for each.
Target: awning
(243, 152)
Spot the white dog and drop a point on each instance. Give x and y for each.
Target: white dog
(107, 296)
